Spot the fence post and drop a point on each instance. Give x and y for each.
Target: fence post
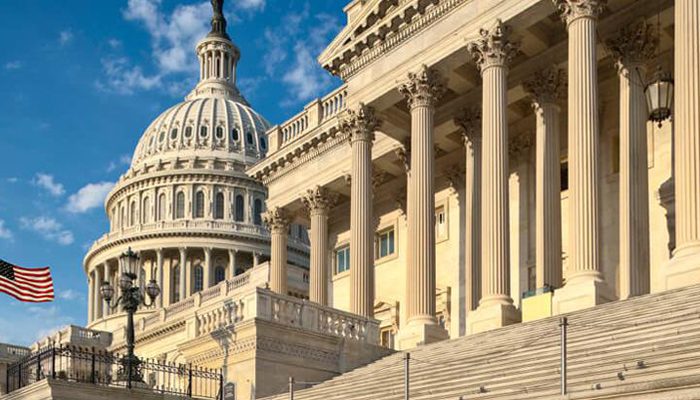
(38, 366)
(563, 323)
(406, 377)
(189, 382)
(94, 374)
(221, 385)
(7, 382)
(53, 362)
(291, 388)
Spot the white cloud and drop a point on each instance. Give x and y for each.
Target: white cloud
(49, 229)
(301, 74)
(12, 179)
(124, 159)
(65, 37)
(46, 181)
(70, 294)
(253, 5)
(13, 65)
(114, 43)
(123, 78)
(88, 197)
(25, 324)
(5, 233)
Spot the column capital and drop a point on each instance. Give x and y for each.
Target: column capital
(360, 123)
(319, 200)
(634, 44)
(519, 146)
(573, 9)
(547, 86)
(403, 154)
(276, 219)
(493, 48)
(423, 88)
(469, 121)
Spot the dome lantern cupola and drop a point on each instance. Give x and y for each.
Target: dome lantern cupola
(218, 59)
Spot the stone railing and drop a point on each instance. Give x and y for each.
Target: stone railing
(77, 336)
(303, 314)
(12, 352)
(313, 115)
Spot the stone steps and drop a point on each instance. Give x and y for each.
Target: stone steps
(522, 361)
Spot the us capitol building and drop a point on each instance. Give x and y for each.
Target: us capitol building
(502, 201)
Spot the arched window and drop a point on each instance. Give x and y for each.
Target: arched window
(198, 278)
(249, 137)
(161, 207)
(240, 208)
(203, 132)
(122, 219)
(219, 206)
(257, 212)
(176, 284)
(145, 217)
(263, 145)
(180, 206)
(132, 214)
(173, 134)
(219, 132)
(199, 205)
(142, 280)
(219, 274)
(234, 134)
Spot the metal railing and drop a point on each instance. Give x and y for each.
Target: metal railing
(75, 364)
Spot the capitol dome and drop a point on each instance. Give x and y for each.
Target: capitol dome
(186, 205)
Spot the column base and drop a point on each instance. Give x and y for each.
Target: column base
(683, 269)
(537, 307)
(492, 316)
(580, 295)
(418, 333)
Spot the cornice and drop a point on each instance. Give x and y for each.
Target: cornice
(379, 42)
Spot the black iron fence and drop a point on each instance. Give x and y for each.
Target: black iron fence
(75, 364)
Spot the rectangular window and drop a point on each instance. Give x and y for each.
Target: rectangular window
(342, 259)
(564, 176)
(385, 243)
(440, 223)
(386, 337)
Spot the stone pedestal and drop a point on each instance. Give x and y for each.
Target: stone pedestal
(585, 293)
(416, 333)
(492, 316)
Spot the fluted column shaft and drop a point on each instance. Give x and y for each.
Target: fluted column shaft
(634, 184)
(687, 121)
(183, 274)
(584, 149)
(548, 197)
(470, 122)
(361, 232)
(159, 278)
(231, 264)
(318, 289)
(318, 201)
(278, 224)
(361, 124)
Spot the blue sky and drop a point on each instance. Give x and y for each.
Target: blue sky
(79, 82)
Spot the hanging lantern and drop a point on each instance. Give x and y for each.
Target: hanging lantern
(130, 263)
(659, 94)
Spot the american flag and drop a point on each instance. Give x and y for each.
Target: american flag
(33, 285)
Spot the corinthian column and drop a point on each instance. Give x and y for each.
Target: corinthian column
(547, 88)
(585, 285)
(92, 296)
(159, 278)
(634, 45)
(361, 124)
(278, 223)
(100, 273)
(319, 201)
(492, 52)
(470, 122)
(184, 276)
(684, 267)
(422, 90)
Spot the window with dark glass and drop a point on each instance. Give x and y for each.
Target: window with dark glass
(234, 134)
(203, 132)
(240, 208)
(199, 205)
(263, 145)
(198, 278)
(173, 134)
(145, 215)
(219, 274)
(257, 210)
(342, 259)
(564, 176)
(188, 131)
(176, 284)
(161, 207)
(180, 205)
(249, 137)
(219, 132)
(385, 243)
(219, 206)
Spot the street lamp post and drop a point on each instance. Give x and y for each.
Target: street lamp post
(130, 300)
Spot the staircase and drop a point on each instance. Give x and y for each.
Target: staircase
(643, 348)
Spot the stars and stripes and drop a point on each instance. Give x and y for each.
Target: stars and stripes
(32, 285)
